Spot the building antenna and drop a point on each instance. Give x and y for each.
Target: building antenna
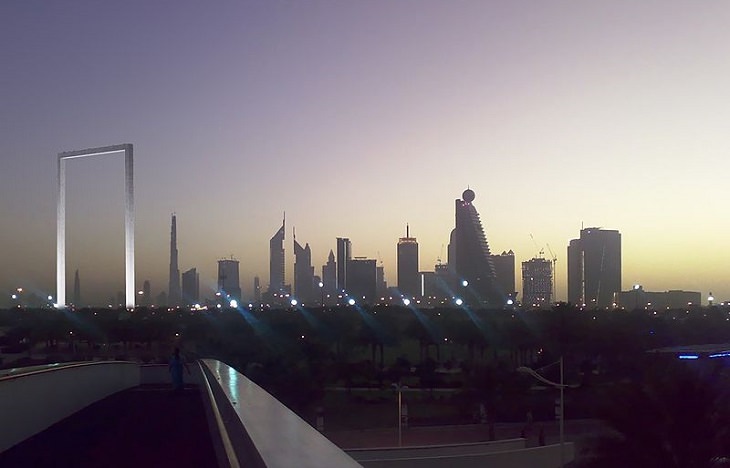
(407, 231)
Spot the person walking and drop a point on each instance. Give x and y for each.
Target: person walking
(176, 367)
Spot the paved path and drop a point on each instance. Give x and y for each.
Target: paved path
(142, 427)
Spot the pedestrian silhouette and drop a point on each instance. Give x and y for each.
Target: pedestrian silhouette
(175, 367)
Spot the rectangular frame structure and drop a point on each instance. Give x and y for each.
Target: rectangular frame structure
(127, 149)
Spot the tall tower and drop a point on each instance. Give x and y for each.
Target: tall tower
(303, 272)
(228, 279)
(190, 287)
(77, 290)
(537, 283)
(146, 293)
(276, 260)
(173, 294)
(344, 255)
(408, 281)
(470, 261)
(594, 267)
(329, 274)
(257, 289)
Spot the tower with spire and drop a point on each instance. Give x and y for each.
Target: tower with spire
(276, 260)
(173, 294)
(408, 281)
(303, 272)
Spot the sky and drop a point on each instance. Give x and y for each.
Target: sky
(356, 118)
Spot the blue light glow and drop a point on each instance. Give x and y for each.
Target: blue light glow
(688, 356)
(724, 354)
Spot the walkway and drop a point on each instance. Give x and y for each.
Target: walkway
(140, 427)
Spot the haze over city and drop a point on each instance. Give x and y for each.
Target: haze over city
(356, 119)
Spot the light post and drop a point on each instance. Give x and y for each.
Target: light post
(399, 388)
(321, 293)
(561, 386)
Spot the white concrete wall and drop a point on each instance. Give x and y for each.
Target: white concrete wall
(32, 402)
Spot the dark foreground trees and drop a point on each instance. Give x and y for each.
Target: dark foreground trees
(678, 417)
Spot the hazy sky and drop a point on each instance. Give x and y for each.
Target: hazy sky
(357, 117)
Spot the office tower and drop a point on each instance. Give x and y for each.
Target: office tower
(228, 281)
(303, 273)
(408, 265)
(191, 287)
(344, 256)
(276, 261)
(173, 294)
(470, 261)
(257, 289)
(329, 274)
(504, 270)
(361, 279)
(594, 267)
(381, 286)
(77, 290)
(537, 283)
(146, 293)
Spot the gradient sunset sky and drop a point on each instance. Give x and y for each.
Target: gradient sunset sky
(359, 117)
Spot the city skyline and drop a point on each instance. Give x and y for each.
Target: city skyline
(357, 119)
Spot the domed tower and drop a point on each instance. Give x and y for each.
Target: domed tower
(470, 261)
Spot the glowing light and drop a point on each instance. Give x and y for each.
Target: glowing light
(510, 302)
(14, 296)
(50, 298)
(458, 301)
(219, 306)
(406, 301)
(294, 302)
(725, 354)
(351, 301)
(233, 304)
(464, 283)
(688, 356)
(321, 284)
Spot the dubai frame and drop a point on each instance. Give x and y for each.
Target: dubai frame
(128, 219)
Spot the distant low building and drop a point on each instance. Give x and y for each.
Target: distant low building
(637, 298)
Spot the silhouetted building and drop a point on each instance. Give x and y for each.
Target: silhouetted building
(381, 286)
(537, 283)
(637, 298)
(361, 279)
(191, 287)
(344, 256)
(470, 261)
(408, 265)
(146, 293)
(276, 261)
(161, 299)
(594, 262)
(228, 279)
(504, 270)
(257, 289)
(329, 274)
(173, 294)
(303, 273)
(575, 273)
(77, 290)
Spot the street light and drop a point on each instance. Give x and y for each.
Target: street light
(399, 388)
(561, 386)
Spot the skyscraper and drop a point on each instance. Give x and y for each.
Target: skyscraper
(257, 289)
(470, 261)
(594, 267)
(77, 290)
(146, 293)
(173, 294)
(504, 270)
(228, 280)
(276, 261)
(408, 280)
(361, 279)
(344, 255)
(537, 283)
(329, 274)
(190, 287)
(303, 273)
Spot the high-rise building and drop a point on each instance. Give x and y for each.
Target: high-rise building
(257, 289)
(504, 270)
(344, 256)
(303, 273)
(408, 265)
(470, 261)
(146, 293)
(362, 279)
(381, 286)
(77, 290)
(329, 274)
(537, 283)
(191, 287)
(594, 263)
(173, 294)
(276, 261)
(228, 279)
